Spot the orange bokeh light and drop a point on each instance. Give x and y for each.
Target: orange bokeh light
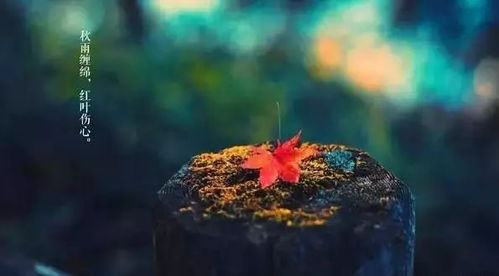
(327, 54)
(375, 68)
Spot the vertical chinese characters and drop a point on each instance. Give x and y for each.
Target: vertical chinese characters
(84, 94)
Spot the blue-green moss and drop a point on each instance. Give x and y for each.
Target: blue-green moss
(341, 159)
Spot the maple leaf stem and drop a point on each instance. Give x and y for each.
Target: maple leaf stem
(278, 118)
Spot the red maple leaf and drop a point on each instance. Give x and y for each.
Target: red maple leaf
(283, 163)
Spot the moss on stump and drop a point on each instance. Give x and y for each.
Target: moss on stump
(347, 215)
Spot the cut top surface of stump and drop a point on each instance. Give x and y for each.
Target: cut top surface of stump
(214, 187)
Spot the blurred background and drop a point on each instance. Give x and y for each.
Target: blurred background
(414, 83)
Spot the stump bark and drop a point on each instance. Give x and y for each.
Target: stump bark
(370, 233)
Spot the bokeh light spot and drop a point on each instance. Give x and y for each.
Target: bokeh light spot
(486, 79)
(327, 54)
(375, 68)
(179, 6)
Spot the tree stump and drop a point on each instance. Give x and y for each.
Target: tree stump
(346, 216)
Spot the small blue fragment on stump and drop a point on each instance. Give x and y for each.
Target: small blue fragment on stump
(341, 159)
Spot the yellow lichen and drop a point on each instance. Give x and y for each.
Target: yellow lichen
(297, 217)
(225, 189)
